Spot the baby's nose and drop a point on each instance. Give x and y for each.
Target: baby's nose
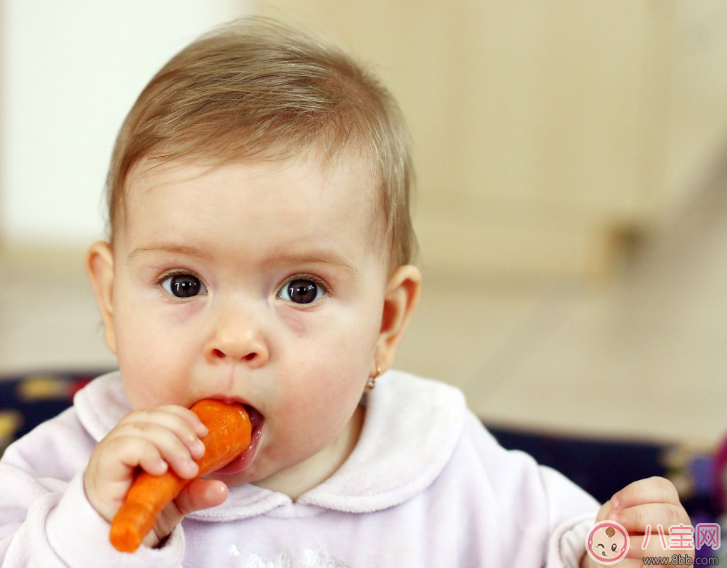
(237, 340)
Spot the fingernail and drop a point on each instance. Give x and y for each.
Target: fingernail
(191, 466)
(202, 430)
(160, 466)
(615, 502)
(197, 449)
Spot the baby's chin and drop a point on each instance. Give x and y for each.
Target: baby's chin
(242, 472)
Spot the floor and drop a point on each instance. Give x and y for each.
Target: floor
(641, 357)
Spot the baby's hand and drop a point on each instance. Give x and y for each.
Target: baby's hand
(153, 440)
(644, 503)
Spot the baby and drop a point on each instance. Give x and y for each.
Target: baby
(260, 251)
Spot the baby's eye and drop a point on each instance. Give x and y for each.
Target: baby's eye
(301, 291)
(613, 547)
(183, 285)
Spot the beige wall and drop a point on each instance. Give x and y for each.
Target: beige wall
(548, 134)
(69, 72)
(698, 96)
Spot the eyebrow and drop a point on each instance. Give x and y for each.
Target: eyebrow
(325, 257)
(162, 247)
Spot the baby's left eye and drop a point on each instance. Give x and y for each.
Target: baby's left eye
(301, 291)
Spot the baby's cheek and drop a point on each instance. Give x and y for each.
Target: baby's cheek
(152, 373)
(295, 321)
(322, 400)
(183, 313)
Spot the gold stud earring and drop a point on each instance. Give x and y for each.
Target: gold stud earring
(371, 383)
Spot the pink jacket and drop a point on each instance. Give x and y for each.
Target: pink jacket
(426, 485)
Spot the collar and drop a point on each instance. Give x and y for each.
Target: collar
(410, 431)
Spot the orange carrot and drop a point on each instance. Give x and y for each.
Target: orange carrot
(229, 436)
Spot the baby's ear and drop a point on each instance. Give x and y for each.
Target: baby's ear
(100, 269)
(402, 295)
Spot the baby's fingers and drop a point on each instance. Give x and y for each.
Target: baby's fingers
(188, 416)
(651, 490)
(653, 546)
(148, 443)
(111, 468)
(636, 519)
(132, 452)
(199, 494)
(175, 419)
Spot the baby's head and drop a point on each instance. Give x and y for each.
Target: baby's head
(260, 243)
(257, 89)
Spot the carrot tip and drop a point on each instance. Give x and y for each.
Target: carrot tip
(130, 525)
(124, 538)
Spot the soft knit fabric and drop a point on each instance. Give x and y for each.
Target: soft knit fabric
(426, 485)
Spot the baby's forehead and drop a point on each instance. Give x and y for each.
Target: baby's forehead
(149, 175)
(151, 171)
(345, 183)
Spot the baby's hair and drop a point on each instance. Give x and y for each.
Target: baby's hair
(610, 531)
(259, 89)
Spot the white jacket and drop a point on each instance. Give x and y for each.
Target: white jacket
(426, 485)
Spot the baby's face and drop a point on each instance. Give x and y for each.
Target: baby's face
(257, 282)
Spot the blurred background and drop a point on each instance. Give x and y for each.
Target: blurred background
(572, 167)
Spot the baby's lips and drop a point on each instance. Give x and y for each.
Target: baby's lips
(256, 420)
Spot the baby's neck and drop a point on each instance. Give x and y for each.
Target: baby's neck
(306, 475)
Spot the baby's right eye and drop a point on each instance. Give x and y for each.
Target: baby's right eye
(183, 285)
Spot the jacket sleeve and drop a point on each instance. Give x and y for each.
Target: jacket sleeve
(543, 516)
(567, 545)
(46, 521)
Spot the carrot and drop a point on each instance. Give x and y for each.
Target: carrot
(229, 436)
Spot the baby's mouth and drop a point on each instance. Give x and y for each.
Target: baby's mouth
(257, 421)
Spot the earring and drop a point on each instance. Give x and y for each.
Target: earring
(371, 383)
